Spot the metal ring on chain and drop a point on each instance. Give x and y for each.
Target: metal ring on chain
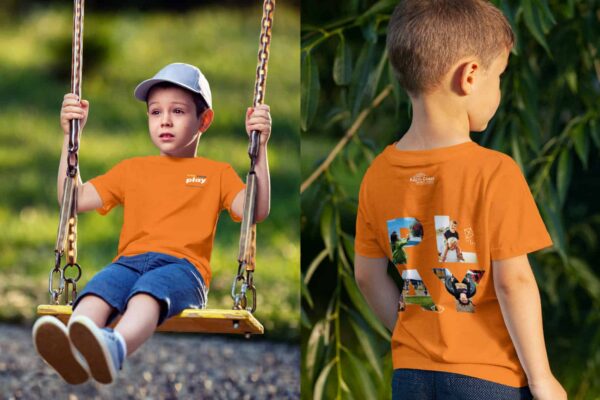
(70, 266)
(55, 293)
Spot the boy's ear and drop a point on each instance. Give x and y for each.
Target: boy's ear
(468, 74)
(206, 118)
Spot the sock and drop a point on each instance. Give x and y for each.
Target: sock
(122, 343)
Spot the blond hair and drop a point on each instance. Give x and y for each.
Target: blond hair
(426, 37)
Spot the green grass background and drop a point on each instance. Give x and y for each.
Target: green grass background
(121, 50)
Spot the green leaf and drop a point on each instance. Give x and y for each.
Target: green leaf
(382, 6)
(360, 76)
(397, 90)
(363, 308)
(314, 349)
(306, 293)
(369, 30)
(322, 380)
(510, 15)
(375, 76)
(329, 229)
(532, 130)
(314, 264)
(346, 389)
(348, 242)
(366, 341)
(571, 79)
(304, 320)
(516, 150)
(534, 24)
(336, 115)
(546, 17)
(330, 315)
(586, 234)
(552, 217)
(342, 64)
(587, 278)
(362, 381)
(563, 174)
(344, 260)
(595, 132)
(309, 90)
(581, 142)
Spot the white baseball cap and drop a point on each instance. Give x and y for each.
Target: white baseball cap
(185, 75)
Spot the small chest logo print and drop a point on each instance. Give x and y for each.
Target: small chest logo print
(422, 179)
(195, 180)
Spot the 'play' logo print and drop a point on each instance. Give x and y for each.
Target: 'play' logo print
(195, 180)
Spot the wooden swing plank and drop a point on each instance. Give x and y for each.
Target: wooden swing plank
(240, 322)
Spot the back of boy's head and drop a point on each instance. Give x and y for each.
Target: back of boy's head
(201, 105)
(426, 37)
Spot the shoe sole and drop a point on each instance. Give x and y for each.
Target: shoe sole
(52, 343)
(87, 338)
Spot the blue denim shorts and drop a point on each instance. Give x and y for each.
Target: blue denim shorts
(415, 384)
(173, 282)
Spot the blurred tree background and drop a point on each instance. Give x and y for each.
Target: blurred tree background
(548, 122)
(124, 43)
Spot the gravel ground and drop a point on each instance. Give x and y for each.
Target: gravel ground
(168, 366)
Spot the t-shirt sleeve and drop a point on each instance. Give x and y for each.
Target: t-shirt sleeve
(111, 187)
(231, 185)
(365, 242)
(515, 224)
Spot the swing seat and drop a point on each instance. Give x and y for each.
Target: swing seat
(191, 320)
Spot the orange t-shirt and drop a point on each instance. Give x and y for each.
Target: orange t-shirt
(441, 216)
(171, 205)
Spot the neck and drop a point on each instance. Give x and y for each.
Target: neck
(188, 151)
(436, 123)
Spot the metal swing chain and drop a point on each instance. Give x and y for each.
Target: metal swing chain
(246, 255)
(67, 228)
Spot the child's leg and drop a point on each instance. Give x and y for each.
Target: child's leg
(103, 298)
(139, 321)
(169, 286)
(105, 349)
(94, 308)
(446, 248)
(459, 254)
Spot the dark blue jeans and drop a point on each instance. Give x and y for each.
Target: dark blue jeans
(415, 384)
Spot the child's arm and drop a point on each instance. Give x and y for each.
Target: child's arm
(87, 196)
(258, 119)
(519, 300)
(378, 288)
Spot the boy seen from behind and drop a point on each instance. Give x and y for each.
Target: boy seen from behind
(471, 325)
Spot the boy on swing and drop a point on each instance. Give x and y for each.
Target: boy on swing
(449, 55)
(171, 205)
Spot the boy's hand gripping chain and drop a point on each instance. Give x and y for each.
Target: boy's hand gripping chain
(67, 228)
(248, 230)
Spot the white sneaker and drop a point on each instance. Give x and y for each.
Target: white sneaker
(51, 341)
(100, 348)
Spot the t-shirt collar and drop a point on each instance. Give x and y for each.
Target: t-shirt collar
(427, 157)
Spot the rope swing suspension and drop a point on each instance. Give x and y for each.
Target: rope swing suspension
(238, 320)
